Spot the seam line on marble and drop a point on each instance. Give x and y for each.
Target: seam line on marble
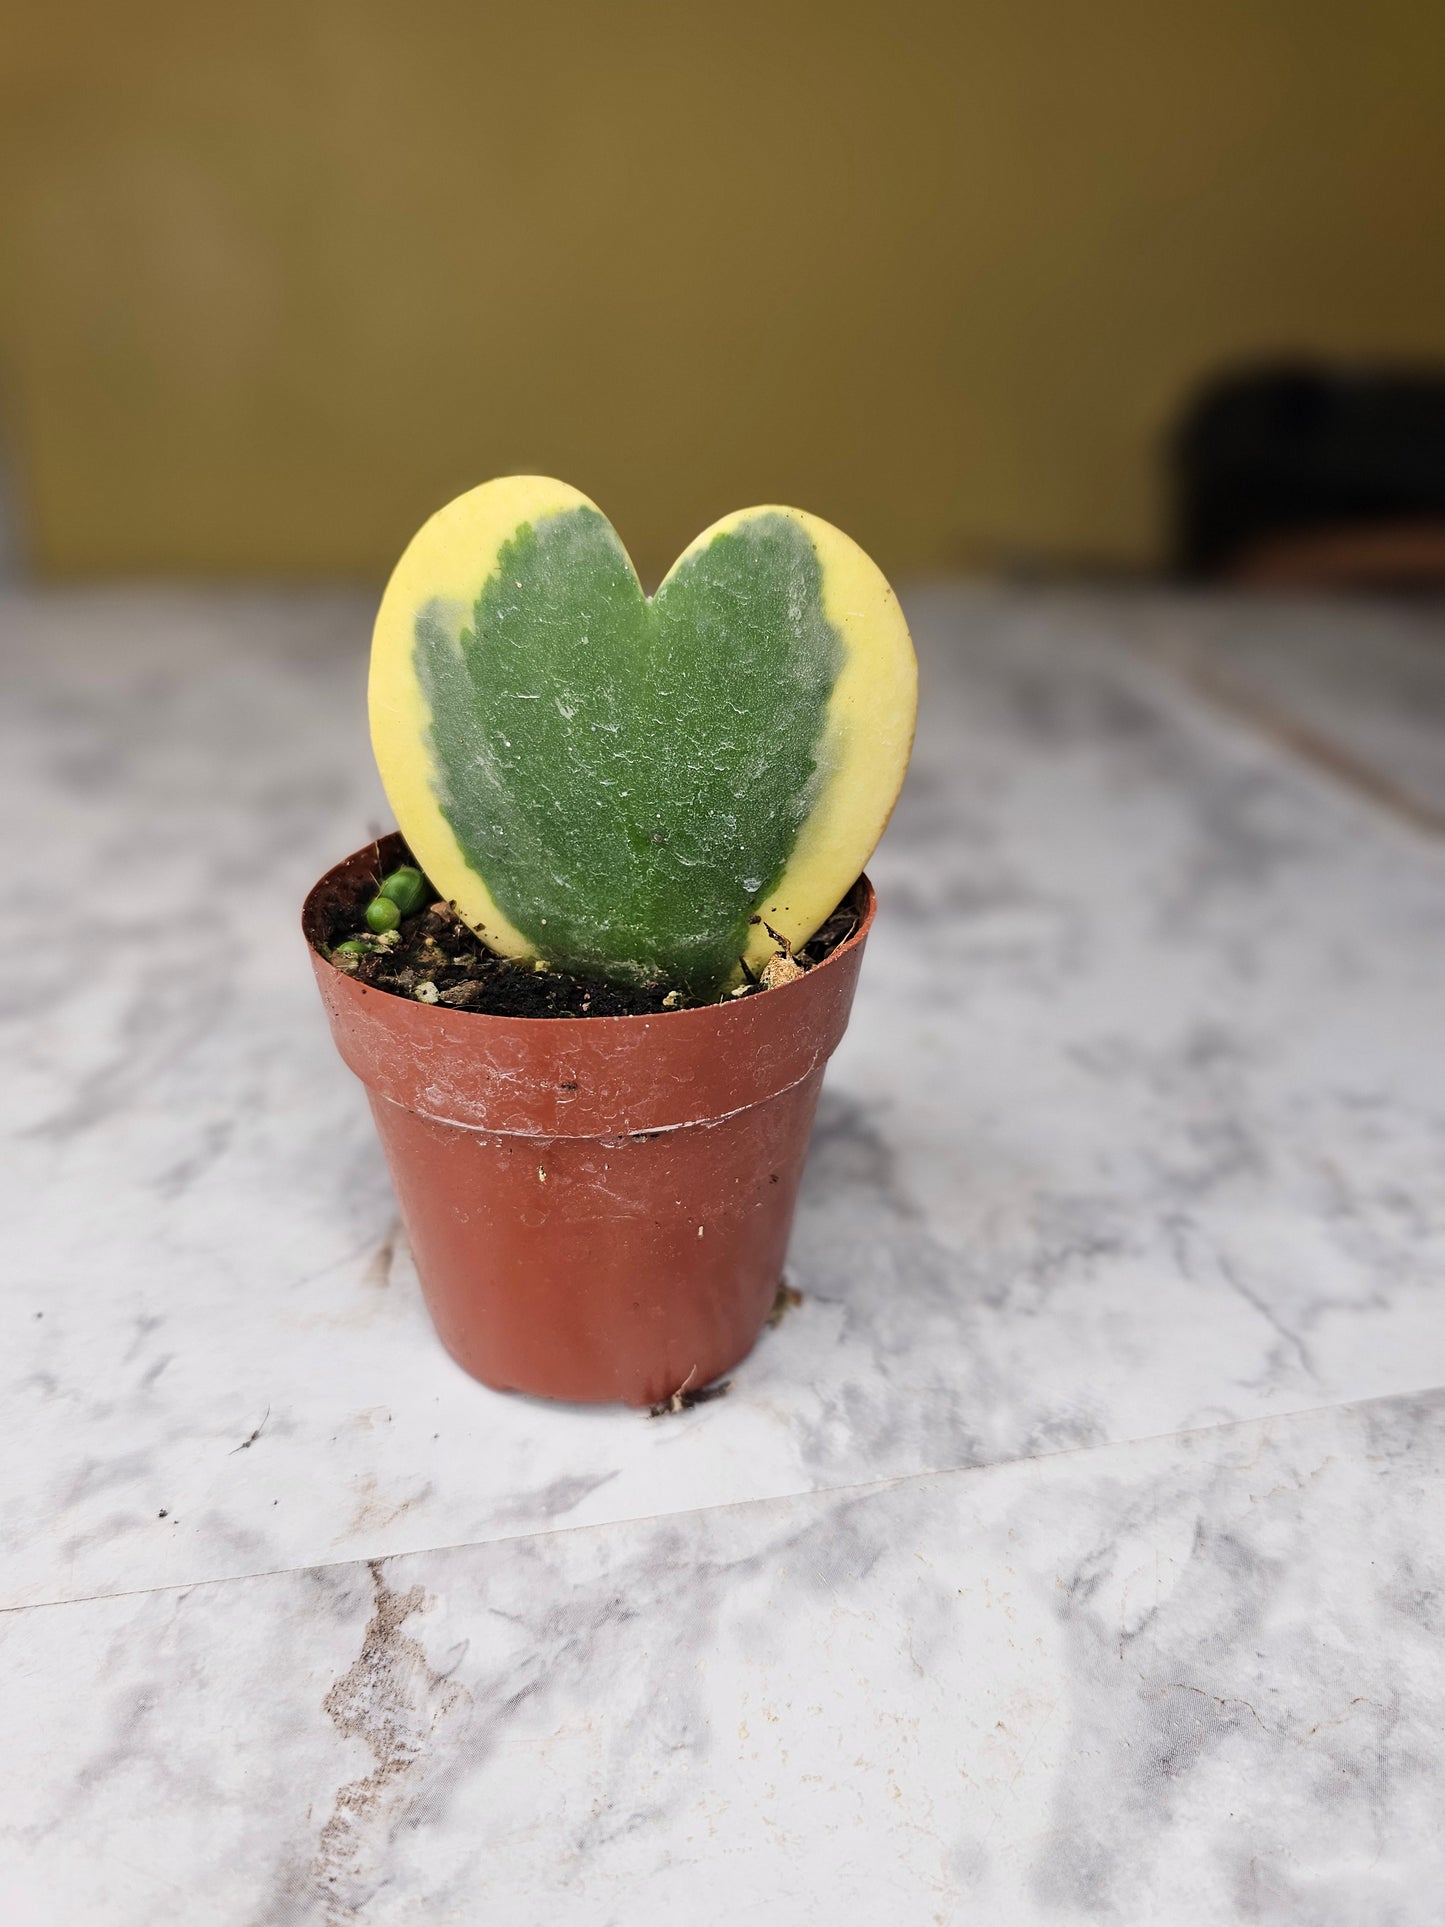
(732, 1505)
(1299, 740)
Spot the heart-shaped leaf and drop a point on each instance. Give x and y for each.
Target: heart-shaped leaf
(617, 784)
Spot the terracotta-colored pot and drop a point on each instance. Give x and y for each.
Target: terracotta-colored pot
(599, 1207)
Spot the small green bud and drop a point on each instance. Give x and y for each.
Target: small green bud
(353, 947)
(382, 914)
(406, 888)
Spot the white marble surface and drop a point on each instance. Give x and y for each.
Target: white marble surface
(1187, 1681)
(1137, 1127)
(1135, 1144)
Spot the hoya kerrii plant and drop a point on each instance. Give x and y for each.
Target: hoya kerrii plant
(667, 789)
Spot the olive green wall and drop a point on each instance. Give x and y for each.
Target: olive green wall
(278, 278)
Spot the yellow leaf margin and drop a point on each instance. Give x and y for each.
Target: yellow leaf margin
(868, 731)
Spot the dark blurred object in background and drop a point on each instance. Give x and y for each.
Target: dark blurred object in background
(1307, 474)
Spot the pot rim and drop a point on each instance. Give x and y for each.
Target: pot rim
(311, 915)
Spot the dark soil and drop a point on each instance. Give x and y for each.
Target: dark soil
(434, 958)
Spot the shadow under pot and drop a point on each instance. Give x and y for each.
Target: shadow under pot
(599, 1208)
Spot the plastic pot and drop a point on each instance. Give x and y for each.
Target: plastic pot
(599, 1207)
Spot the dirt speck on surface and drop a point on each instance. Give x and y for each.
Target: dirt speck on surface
(683, 1399)
(247, 1443)
(379, 1264)
(788, 1299)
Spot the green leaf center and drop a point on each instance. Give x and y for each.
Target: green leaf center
(627, 776)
